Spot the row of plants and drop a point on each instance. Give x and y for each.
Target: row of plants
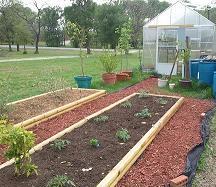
(108, 60)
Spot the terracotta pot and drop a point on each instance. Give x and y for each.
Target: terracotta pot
(122, 76)
(109, 78)
(130, 73)
(185, 83)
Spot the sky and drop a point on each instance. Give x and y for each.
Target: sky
(63, 3)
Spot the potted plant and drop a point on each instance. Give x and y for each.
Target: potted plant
(162, 82)
(109, 62)
(124, 46)
(75, 32)
(185, 54)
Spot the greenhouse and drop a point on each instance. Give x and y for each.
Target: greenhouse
(164, 35)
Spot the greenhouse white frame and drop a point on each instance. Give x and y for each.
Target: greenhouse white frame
(164, 35)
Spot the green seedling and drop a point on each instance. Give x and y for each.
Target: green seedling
(143, 114)
(143, 94)
(60, 144)
(162, 101)
(126, 104)
(101, 119)
(60, 181)
(123, 135)
(94, 143)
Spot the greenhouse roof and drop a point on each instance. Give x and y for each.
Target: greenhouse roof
(179, 15)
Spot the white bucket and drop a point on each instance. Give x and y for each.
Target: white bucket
(162, 83)
(171, 86)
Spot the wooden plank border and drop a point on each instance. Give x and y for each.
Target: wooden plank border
(60, 110)
(128, 160)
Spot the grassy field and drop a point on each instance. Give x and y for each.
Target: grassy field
(25, 78)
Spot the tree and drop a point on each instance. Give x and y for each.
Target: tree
(50, 22)
(108, 18)
(82, 12)
(137, 11)
(7, 22)
(33, 19)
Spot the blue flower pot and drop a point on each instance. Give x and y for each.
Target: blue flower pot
(83, 81)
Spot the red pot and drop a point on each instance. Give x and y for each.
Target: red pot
(122, 76)
(109, 78)
(129, 73)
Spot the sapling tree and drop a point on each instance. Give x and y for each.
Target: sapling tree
(19, 142)
(75, 32)
(124, 40)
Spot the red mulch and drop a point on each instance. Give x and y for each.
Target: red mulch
(165, 158)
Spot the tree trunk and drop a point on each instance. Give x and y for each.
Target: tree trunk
(36, 44)
(18, 47)
(187, 71)
(10, 48)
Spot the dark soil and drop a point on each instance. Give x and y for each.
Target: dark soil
(80, 155)
(33, 107)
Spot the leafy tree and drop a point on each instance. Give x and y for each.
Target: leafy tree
(82, 13)
(108, 18)
(137, 11)
(50, 21)
(7, 22)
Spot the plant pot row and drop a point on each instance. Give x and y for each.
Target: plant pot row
(112, 78)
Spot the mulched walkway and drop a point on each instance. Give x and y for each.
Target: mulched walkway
(165, 158)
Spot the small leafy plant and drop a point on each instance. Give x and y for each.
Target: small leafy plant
(101, 119)
(123, 135)
(162, 101)
(143, 94)
(94, 142)
(126, 104)
(109, 62)
(143, 114)
(60, 144)
(60, 181)
(19, 142)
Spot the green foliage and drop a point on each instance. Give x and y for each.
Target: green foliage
(109, 62)
(53, 34)
(123, 135)
(94, 143)
(101, 119)
(126, 104)
(19, 142)
(60, 181)
(60, 144)
(76, 32)
(144, 113)
(185, 55)
(162, 101)
(143, 94)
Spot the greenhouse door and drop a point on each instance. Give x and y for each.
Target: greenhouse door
(166, 50)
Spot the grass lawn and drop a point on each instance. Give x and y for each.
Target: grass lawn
(26, 77)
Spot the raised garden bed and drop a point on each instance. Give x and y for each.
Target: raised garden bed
(88, 166)
(33, 110)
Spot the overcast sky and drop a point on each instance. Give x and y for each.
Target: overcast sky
(63, 3)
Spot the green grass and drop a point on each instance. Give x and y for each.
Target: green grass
(25, 77)
(197, 90)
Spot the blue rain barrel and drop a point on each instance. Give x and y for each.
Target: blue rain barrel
(194, 64)
(206, 71)
(214, 84)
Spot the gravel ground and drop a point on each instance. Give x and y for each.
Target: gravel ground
(165, 158)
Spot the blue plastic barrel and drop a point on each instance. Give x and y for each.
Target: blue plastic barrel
(206, 71)
(214, 84)
(194, 64)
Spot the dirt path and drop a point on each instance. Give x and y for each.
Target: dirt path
(38, 58)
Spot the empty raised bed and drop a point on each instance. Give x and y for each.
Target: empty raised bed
(41, 107)
(122, 130)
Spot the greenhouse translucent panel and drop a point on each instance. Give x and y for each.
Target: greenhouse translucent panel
(177, 15)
